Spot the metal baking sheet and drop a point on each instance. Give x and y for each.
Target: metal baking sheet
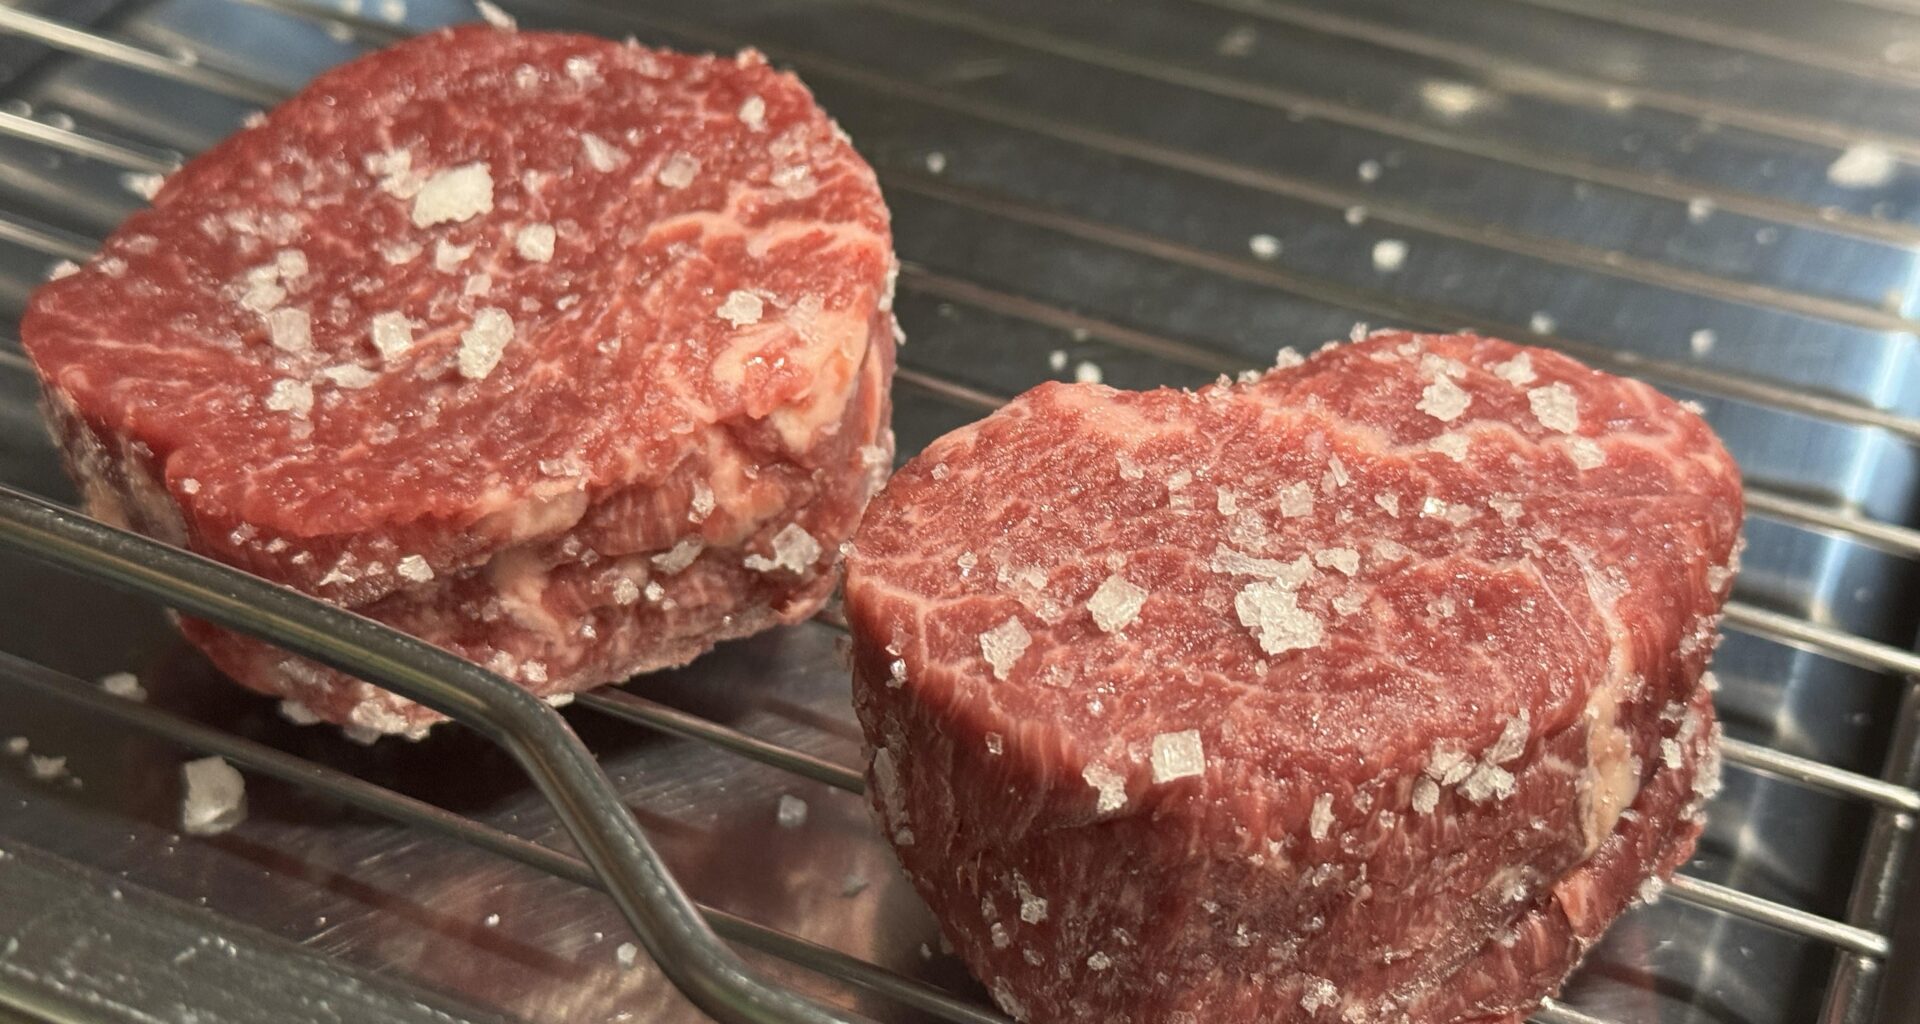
(1075, 187)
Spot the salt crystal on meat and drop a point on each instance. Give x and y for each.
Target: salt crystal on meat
(601, 155)
(349, 376)
(1346, 560)
(741, 308)
(1177, 755)
(1110, 788)
(1444, 400)
(753, 113)
(1272, 611)
(1003, 645)
(1116, 604)
(794, 550)
(1320, 821)
(392, 334)
(1517, 371)
(679, 171)
(1586, 453)
(534, 242)
(291, 330)
(415, 568)
(1556, 407)
(291, 396)
(483, 343)
(454, 195)
(680, 555)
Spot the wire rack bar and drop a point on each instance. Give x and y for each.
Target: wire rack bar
(637, 710)
(76, 40)
(664, 919)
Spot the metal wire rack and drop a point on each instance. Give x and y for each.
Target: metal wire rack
(45, 218)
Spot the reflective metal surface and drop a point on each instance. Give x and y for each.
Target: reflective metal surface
(1075, 184)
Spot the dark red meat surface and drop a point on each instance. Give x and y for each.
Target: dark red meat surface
(569, 356)
(1368, 690)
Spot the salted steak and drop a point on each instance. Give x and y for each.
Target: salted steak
(1369, 690)
(569, 356)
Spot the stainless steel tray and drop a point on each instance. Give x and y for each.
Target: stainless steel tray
(1075, 184)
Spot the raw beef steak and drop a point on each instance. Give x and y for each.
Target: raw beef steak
(1367, 690)
(571, 357)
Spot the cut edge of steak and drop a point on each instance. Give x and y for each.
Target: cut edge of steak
(551, 614)
(1388, 859)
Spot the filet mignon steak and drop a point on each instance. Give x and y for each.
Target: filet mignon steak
(568, 356)
(1365, 690)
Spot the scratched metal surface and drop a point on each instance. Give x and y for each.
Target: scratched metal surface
(1075, 186)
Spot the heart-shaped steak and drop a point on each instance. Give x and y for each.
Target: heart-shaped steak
(1364, 690)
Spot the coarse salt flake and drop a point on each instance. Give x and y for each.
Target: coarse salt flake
(1318, 994)
(753, 113)
(142, 184)
(583, 70)
(415, 568)
(1320, 819)
(1177, 755)
(679, 171)
(1086, 372)
(1099, 962)
(483, 343)
(681, 555)
(291, 396)
(1347, 560)
(1517, 371)
(124, 685)
(291, 330)
(794, 550)
(1862, 165)
(1586, 453)
(1003, 645)
(791, 811)
(349, 376)
(626, 955)
(1556, 407)
(1444, 400)
(1272, 611)
(447, 256)
(741, 308)
(454, 195)
(1265, 247)
(534, 242)
(215, 799)
(703, 502)
(1389, 255)
(392, 334)
(1426, 795)
(625, 591)
(601, 155)
(1116, 604)
(1110, 788)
